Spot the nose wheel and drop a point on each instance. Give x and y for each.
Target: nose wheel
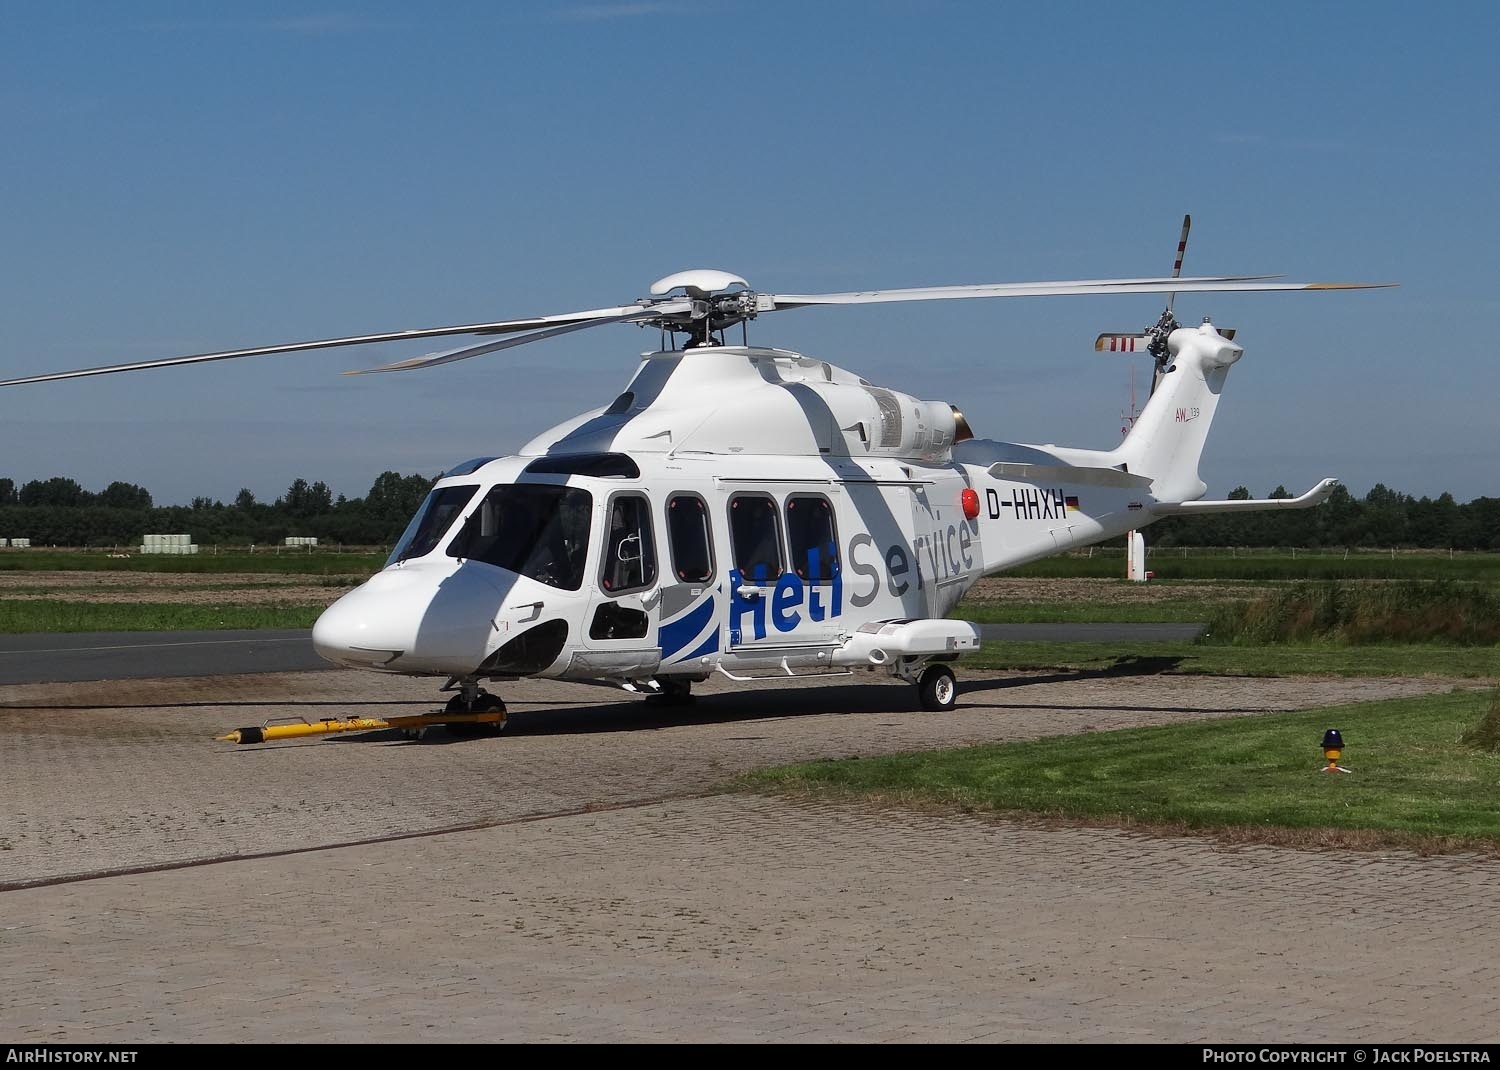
(471, 700)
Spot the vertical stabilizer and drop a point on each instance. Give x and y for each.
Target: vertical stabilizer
(1166, 442)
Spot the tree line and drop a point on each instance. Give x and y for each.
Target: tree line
(1382, 518)
(59, 512)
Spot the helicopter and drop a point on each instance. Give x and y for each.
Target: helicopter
(752, 511)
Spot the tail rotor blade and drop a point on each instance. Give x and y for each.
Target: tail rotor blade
(1187, 223)
(1117, 342)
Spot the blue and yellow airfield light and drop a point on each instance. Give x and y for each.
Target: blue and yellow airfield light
(1333, 748)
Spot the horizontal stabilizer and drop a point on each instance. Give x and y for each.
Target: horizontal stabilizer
(1067, 473)
(1313, 497)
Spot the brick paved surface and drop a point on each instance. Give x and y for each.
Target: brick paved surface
(683, 918)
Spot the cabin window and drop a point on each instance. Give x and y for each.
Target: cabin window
(536, 529)
(812, 537)
(431, 523)
(755, 534)
(690, 539)
(629, 550)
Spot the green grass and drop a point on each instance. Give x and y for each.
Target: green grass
(1411, 779)
(331, 583)
(43, 615)
(1391, 628)
(1262, 565)
(1390, 659)
(1486, 734)
(1185, 611)
(1440, 611)
(287, 561)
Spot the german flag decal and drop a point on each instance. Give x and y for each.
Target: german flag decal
(1072, 503)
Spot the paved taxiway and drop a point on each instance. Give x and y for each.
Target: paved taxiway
(71, 657)
(578, 879)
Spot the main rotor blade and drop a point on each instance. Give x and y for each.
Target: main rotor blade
(431, 360)
(598, 315)
(1215, 284)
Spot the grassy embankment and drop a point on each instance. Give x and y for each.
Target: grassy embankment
(1364, 614)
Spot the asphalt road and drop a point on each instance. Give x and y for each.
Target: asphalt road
(77, 656)
(80, 656)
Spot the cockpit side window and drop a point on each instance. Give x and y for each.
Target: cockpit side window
(539, 530)
(629, 549)
(431, 523)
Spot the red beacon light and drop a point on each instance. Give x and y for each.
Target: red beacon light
(970, 500)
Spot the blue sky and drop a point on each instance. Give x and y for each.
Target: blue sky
(181, 177)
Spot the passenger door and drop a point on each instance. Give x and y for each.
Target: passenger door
(777, 602)
(621, 622)
(690, 624)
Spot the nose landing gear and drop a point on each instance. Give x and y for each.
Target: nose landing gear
(471, 699)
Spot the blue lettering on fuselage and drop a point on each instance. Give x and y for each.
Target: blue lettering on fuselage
(824, 600)
(783, 604)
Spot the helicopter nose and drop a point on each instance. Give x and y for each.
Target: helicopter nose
(374, 624)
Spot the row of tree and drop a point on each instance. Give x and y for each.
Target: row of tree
(1382, 518)
(59, 512)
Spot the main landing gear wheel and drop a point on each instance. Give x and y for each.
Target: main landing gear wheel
(937, 689)
(675, 691)
(484, 702)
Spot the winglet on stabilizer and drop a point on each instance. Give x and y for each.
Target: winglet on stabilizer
(1313, 497)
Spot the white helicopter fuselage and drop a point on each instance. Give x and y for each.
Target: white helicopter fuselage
(742, 510)
(745, 510)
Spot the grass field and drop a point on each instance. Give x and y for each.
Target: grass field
(1387, 659)
(283, 560)
(1412, 781)
(1184, 610)
(46, 615)
(1263, 565)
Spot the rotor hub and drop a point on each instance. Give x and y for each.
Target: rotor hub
(714, 307)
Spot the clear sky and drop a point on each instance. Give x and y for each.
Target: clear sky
(182, 177)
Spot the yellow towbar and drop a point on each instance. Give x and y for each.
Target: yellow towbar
(328, 726)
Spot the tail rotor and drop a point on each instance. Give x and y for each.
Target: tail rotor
(1153, 339)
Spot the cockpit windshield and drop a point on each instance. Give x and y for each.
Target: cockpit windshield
(536, 529)
(431, 523)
